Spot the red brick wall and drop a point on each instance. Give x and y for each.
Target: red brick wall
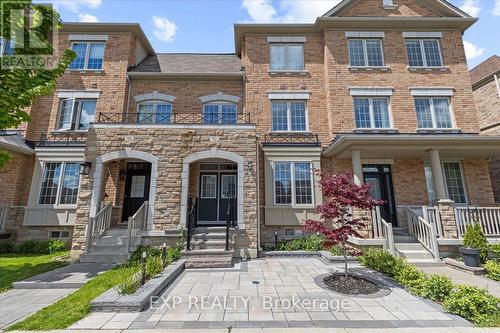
(15, 179)
(375, 8)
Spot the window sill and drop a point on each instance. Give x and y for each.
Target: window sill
(85, 71)
(428, 69)
(288, 72)
(375, 130)
(369, 68)
(289, 132)
(56, 132)
(438, 130)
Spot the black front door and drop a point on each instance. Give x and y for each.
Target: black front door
(216, 191)
(136, 188)
(380, 179)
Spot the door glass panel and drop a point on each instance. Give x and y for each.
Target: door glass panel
(375, 189)
(228, 186)
(137, 186)
(209, 186)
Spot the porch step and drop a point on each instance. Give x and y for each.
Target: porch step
(209, 244)
(416, 254)
(111, 247)
(404, 239)
(104, 257)
(427, 262)
(208, 258)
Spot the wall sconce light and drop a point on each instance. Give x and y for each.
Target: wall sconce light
(250, 166)
(85, 168)
(122, 174)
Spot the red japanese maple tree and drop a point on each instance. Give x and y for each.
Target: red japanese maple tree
(340, 196)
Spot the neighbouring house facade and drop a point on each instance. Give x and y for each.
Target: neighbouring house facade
(157, 144)
(485, 79)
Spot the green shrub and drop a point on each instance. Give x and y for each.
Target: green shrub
(474, 238)
(495, 251)
(436, 287)
(131, 282)
(382, 261)
(56, 245)
(493, 270)
(7, 247)
(41, 246)
(136, 256)
(411, 277)
(471, 303)
(154, 266)
(173, 254)
(311, 243)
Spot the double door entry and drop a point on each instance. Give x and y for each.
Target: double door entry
(217, 191)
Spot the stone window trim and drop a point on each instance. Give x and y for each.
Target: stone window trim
(78, 93)
(371, 91)
(432, 91)
(286, 39)
(422, 34)
(288, 95)
(97, 37)
(219, 97)
(365, 34)
(154, 96)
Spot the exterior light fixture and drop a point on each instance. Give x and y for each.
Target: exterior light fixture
(250, 165)
(85, 168)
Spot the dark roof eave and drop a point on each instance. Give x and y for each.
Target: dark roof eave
(188, 75)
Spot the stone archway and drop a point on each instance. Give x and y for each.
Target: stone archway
(207, 154)
(118, 155)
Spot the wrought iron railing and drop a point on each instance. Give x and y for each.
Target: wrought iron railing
(291, 138)
(229, 220)
(173, 118)
(191, 221)
(62, 139)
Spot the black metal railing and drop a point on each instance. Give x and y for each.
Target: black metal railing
(62, 139)
(191, 221)
(291, 138)
(229, 220)
(172, 118)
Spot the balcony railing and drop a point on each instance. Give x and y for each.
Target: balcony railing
(291, 138)
(174, 118)
(63, 139)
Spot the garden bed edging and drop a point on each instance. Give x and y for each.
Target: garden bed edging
(323, 254)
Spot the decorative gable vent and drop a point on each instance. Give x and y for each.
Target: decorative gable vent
(388, 4)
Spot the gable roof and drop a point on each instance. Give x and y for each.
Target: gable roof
(185, 63)
(442, 6)
(485, 69)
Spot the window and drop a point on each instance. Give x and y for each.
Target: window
(366, 53)
(88, 55)
(154, 113)
(433, 112)
(6, 46)
(59, 183)
(209, 186)
(76, 114)
(59, 235)
(289, 116)
(371, 112)
(219, 113)
(424, 53)
(287, 57)
(454, 181)
(292, 183)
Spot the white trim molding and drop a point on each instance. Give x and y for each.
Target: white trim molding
(432, 91)
(286, 39)
(220, 96)
(156, 96)
(371, 91)
(100, 38)
(118, 155)
(288, 95)
(78, 93)
(364, 34)
(422, 34)
(212, 153)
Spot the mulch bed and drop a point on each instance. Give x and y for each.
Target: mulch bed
(352, 285)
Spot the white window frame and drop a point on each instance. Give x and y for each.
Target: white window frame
(365, 52)
(464, 182)
(372, 113)
(59, 238)
(3, 46)
(73, 116)
(422, 52)
(433, 114)
(219, 111)
(155, 107)
(87, 55)
(289, 115)
(292, 179)
(287, 57)
(57, 204)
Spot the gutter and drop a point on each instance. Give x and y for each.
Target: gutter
(128, 96)
(185, 75)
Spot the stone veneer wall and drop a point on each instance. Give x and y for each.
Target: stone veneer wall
(171, 145)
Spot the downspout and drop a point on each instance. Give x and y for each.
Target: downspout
(128, 96)
(498, 84)
(257, 172)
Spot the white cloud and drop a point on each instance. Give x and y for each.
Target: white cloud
(472, 51)
(164, 28)
(75, 5)
(87, 18)
(496, 8)
(301, 11)
(260, 10)
(471, 7)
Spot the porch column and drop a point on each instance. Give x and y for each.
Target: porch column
(357, 168)
(437, 175)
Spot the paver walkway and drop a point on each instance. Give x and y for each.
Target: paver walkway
(37, 292)
(272, 292)
(460, 277)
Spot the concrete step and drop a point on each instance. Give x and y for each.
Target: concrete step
(427, 262)
(208, 258)
(404, 239)
(116, 248)
(206, 230)
(409, 246)
(209, 244)
(417, 254)
(209, 236)
(104, 257)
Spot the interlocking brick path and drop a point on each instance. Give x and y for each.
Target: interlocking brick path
(262, 292)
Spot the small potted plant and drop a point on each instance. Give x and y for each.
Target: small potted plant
(475, 249)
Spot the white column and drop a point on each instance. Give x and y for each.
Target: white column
(437, 175)
(357, 168)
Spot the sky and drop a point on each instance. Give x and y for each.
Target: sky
(207, 25)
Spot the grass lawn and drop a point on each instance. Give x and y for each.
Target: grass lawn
(73, 307)
(15, 267)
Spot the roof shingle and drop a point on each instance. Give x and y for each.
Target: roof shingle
(484, 69)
